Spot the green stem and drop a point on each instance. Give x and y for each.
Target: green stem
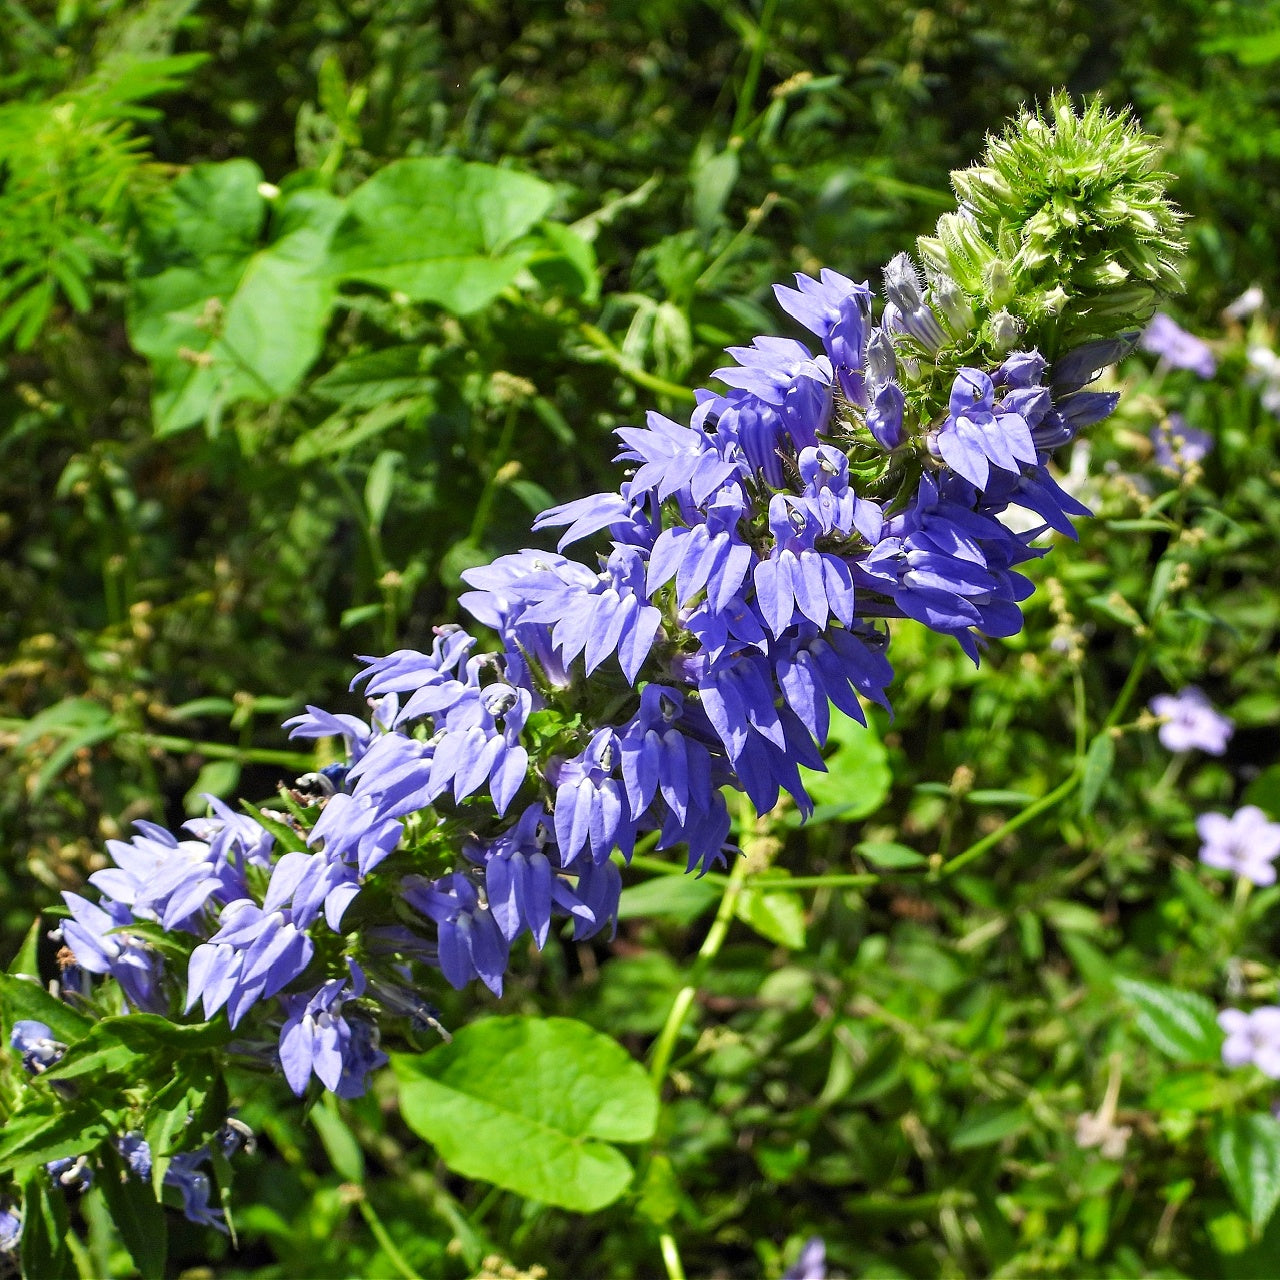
(665, 1044)
(671, 1256)
(750, 82)
(484, 507)
(385, 1242)
(979, 847)
(641, 377)
(301, 760)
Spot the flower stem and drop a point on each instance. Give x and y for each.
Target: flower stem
(665, 1044)
(385, 1242)
(671, 1256)
(979, 847)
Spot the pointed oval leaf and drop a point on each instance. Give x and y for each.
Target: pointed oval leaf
(532, 1105)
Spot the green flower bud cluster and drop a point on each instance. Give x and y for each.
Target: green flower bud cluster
(1064, 231)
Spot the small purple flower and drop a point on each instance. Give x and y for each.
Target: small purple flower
(10, 1229)
(1252, 1038)
(135, 1151)
(318, 1037)
(1174, 345)
(812, 1262)
(1246, 843)
(35, 1043)
(192, 1184)
(73, 1173)
(1177, 445)
(1191, 722)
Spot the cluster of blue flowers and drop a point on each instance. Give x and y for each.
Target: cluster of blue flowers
(749, 562)
(746, 570)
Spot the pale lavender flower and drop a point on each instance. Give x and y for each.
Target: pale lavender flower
(1252, 1038)
(812, 1262)
(1167, 339)
(10, 1229)
(1246, 843)
(1191, 722)
(1177, 445)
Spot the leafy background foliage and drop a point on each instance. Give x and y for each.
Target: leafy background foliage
(308, 307)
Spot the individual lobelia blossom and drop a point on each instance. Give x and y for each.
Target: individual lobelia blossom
(1179, 447)
(35, 1045)
(319, 1037)
(1252, 1038)
(470, 943)
(1247, 843)
(96, 936)
(71, 1173)
(1191, 722)
(812, 1262)
(838, 312)
(254, 954)
(192, 1183)
(1165, 338)
(10, 1228)
(975, 436)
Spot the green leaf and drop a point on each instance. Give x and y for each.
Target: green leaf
(713, 181)
(1248, 1151)
(137, 1215)
(777, 916)
(1098, 763)
(532, 1105)
(857, 778)
(222, 313)
(891, 856)
(1181, 1024)
(339, 1142)
(42, 1133)
(1264, 791)
(659, 1200)
(379, 484)
(26, 963)
(439, 230)
(216, 778)
(361, 382)
(44, 1250)
(682, 897)
(988, 1124)
(22, 997)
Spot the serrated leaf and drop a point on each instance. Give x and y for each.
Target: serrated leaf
(136, 1214)
(44, 1250)
(1248, 1152)
(22, 997)
(439, 230)
(1181, 1024)
(533, 1106)
(45, 1132)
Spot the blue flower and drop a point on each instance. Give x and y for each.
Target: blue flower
(976, 435)
(10, 1229)
(319, 1038)
(35, 1044)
